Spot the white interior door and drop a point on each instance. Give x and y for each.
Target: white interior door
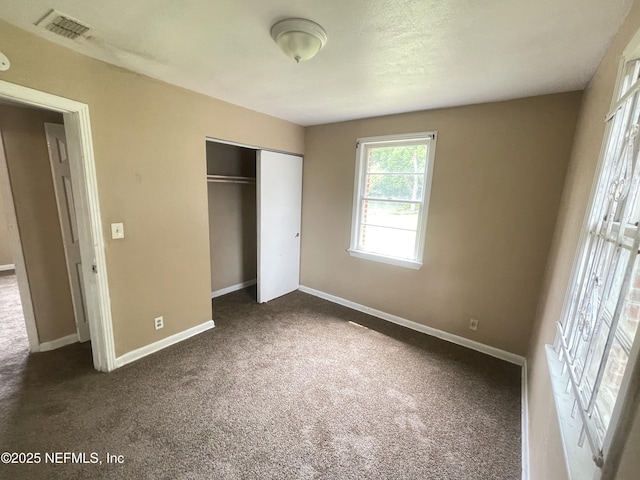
(279, 198)
(57, 143)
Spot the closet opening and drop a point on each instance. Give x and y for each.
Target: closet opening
(231, 190)
(255, 207)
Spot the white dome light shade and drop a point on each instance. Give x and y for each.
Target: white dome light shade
(4, 62)
(299, 38)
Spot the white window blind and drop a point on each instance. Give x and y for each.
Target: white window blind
(596, 335)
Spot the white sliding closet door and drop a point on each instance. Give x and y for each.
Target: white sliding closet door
(279, 198)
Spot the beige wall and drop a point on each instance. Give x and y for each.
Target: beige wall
(547, 460)
(232, 216)
(629, 462)
(25, 146)
(150, 161)
(232, 227)
(6, 256)
(497, 182)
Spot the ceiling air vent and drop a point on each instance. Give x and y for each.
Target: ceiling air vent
(63, 25)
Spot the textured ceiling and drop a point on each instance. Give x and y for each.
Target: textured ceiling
(382, 56)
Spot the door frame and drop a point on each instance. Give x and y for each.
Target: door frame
(84, 182)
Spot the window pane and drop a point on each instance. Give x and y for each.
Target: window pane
(631, 75)
(615, 267)
(397, 159)
(388, 241)
(390, 214)
(594, 359)
(628, 323)
(634, 216)
(394, 186)
(611, 381)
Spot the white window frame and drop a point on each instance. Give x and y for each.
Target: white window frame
(362, 148)
(586, 455)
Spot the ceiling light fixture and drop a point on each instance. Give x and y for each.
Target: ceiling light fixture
(299, 38)
(4, 62)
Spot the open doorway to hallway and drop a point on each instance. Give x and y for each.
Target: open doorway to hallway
(41, 219)
(93, 272)
(13, 334)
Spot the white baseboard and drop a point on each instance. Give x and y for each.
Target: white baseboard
(233, 288)
(59, 342)
(434, 332)
(4, 268)
(524, 402)
(164, 343)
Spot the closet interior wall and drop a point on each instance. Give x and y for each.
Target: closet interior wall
(231, 172)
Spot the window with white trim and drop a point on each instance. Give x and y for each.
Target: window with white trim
(391, 198)
(596, 341)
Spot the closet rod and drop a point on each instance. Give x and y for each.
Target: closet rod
(229, 179)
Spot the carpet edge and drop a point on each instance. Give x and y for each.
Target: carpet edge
(141, 352)
(434, 332)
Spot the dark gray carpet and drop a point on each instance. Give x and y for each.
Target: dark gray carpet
(14, 345)
(285, 390)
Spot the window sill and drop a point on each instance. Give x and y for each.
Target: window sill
(399, 262)
(580, 464)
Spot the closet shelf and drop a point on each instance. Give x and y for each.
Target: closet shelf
(229, 179)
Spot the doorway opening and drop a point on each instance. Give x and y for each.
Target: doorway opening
(76, 184)
(28, 209)
(13, 335)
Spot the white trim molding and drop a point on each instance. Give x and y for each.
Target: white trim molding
(233, 288)
(398, 262)
(59, 342)
(524, 403)
(251, 147)
(161, 344)
(578, 458)
(434, 332)
(7, 268)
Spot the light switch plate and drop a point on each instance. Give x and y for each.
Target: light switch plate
(117, 230)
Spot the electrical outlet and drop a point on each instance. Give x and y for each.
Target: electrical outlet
(159, 322)
(473, 324)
